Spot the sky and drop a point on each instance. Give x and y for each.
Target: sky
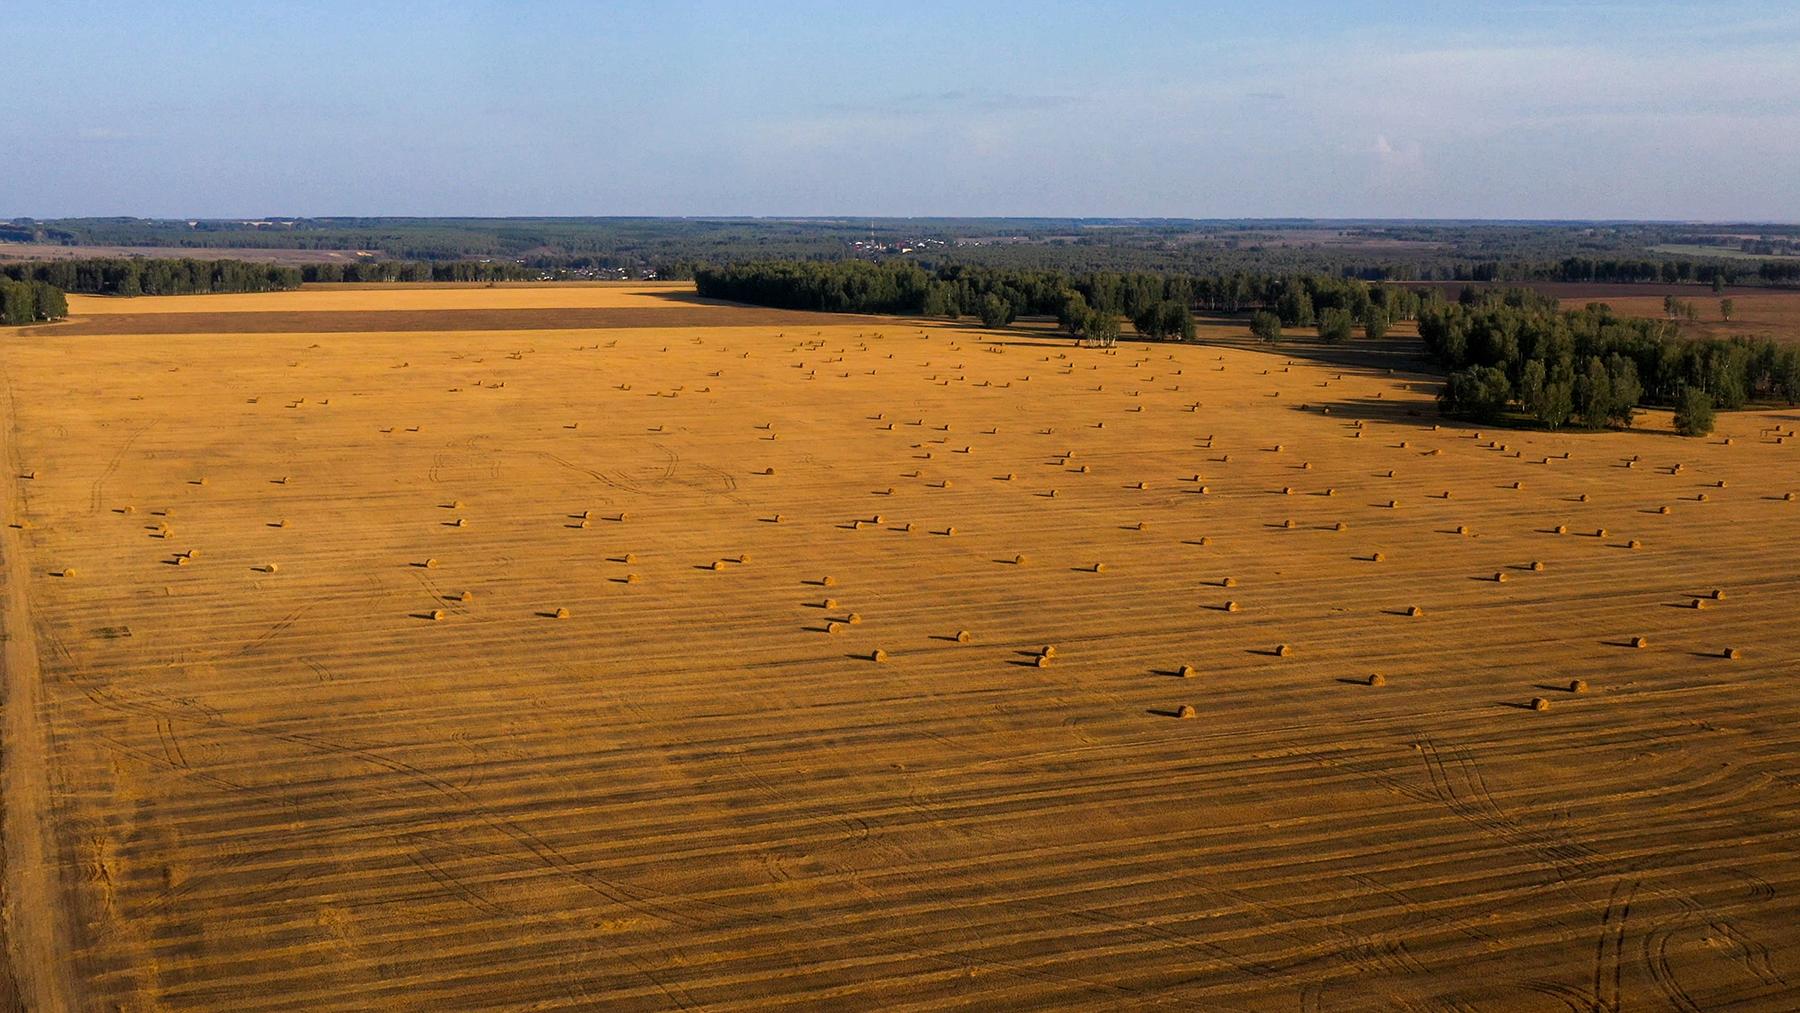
(1646, 110)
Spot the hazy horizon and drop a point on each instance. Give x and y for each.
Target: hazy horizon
(1671, 112)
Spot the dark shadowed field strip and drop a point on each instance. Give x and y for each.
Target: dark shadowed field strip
(677, 314)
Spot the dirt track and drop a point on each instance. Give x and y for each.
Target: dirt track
(335, 783)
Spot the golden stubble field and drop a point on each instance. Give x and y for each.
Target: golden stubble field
(537, 669)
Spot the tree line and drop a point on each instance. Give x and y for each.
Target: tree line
(27, 302)
(153, 276)
(134, 276)
(417, 270)
(1159, 305)
(1516, 352)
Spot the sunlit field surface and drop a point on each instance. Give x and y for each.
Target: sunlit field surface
(626, 651)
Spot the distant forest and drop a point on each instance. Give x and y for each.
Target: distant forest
(129, 276)
(1373, 250)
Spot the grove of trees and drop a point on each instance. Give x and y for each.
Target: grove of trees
(1516, 351)
(27, 302)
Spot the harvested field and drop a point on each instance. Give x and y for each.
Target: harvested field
(669, 721)
(1755, 313)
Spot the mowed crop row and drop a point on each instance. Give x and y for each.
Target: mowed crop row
(504, 668)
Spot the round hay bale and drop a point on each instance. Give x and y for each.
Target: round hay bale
(951, 530)
(1538, 703)
(1205, 539)
(460, 522)
(1204, 490)
(1186, 712)
(1640, 642)
(1518, 485)
(1664, 510)
(1305, 465)
(1634, 544)
(1010, 476)
(829, 603)
(1393, 504)
(1340, 526)
(1599, 532)
(437, 615)
(1288, 523)
(1187, 672)
(909, 527)
(1561, 529)
(1232, 606)
(878, 655)
(128, 509)
(1583, 498)
(1787, 497)
(466, 597)
(1287, 490)
(717, 565)
(1099, 567)
(584, 524)
(1720, 484)
(833, 626)
(1283, 650)
(1414, 611)
(1378, 557)
(1731, 654)
(271, 568)
(1462, 529)
(743, 557)
(68, 571)
(1047, 651)
(1578, 686)
(1043, 661)
(854, 618)
(964, 636)
(1377, 679)
(1228, 582)
(1702, 498)
(1019, 559)
(1697, 604)
(1537, 566)
(1718, 594)
(1330, 490)
(1141, 526)
(182, 560)
(827, 581)
(632, 578)
(431, 564)
(1499, 576)
(561, 613)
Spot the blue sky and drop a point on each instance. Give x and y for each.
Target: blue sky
(1512, 110)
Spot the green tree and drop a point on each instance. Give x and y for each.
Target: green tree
(1478, 392)
(1626, 391)
(1073, 312)
(1593, 394)
(1694, 416)
(1334, 325)
(1265, 325)
(1101, 329)
(1375, 323)
(1725, 308)
(995, 311)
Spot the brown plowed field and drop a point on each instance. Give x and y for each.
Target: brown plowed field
(300, 771)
